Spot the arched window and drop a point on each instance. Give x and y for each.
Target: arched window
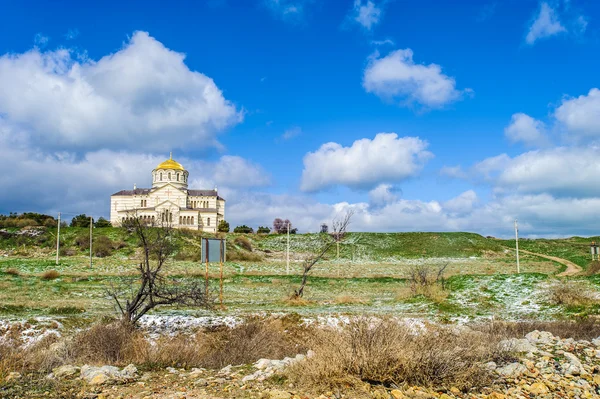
(170, 217)
(179, 219)
(192, 220)
(169, 175)
(161, 177)
(208, 222)
(177, 176)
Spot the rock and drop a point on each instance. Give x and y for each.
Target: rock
(518, 345)
(172, 370)
(496, 395)
(397, 394)
(129, 372)
(540, 337)
(12, 376)
(99, 379)
(226, 370)
(538, 388)
(512, 370)
(201, 382)
(491, 366)
(574, 367)
(65, 371)
(278, 394)
(262, 364)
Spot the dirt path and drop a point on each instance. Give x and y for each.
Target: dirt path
(572, 268)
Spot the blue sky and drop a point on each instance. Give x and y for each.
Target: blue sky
(492, 104)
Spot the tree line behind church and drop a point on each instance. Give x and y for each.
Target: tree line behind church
(280, 226)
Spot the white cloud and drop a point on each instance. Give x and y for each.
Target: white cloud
(71, 34)
(382, 194)
(523, 128)
(560, 172)
(366, 13)
(456, 172)
(382, 42)
(291, 133)
(41, 40)
(235, 171)
(545, 24)
(581, 115)
(289, 10)
(397, 77)
(463, 203)
(367, 163)
(143, 97)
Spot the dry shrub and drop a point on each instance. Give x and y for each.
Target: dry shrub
(243, 242)
(242, 255)
(102, 247)
(12, 272)
(106, 343)
(50, 275)
(428, 281)
(385, 352)
(43, 356)
(579, 329)
(570, 293)
(253, 340)
(83, 241)
(593, 268)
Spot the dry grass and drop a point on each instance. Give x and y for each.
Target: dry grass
(347, 300)
(385, 352)
(570, 293)
(243, 242)
(12, 272)
(50, 275)
(243, 256)
(579, 329)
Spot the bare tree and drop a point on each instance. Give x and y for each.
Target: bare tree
(423, 276)
(339, 227)
(154, 288)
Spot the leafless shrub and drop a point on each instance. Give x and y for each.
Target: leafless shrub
(105, 343)
(579, 328)
(428, 281)
(102, 247)
(570, 293)
(50, 275)
(243, 242)
(384, 352)
(154, 287)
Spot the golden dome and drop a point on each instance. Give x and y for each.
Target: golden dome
(170, 164)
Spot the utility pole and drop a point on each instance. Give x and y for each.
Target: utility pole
(91, 226)
(58, 239)
(517, 245)
(287, 263)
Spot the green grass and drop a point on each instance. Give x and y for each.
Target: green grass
(575, 249)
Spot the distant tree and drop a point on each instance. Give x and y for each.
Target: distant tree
(280, 226)
(102, 222)
(82, 220)
(243, 229)
(223, 227)
(263, 230)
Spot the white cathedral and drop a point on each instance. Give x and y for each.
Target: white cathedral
(170, 200)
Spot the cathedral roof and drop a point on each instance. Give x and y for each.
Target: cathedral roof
(137, 191)
(170, 164)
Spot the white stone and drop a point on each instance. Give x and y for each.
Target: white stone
(65, 371)
(518, 345)
(540, 337)
(512, 370)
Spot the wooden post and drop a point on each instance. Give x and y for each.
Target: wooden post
(58, 239)
(517, 245)
(206, 274)
(91, 226)
(221, 272)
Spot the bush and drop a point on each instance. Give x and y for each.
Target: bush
(243, 229)
(83, 241)
(385, 352)
(12, 272)
(102, 247)
(263, 230)
(102, 223)
(570, 293)
(579, 328)
(81, 221)
(223, 227)
(244, 243)
(50, 275)
(105, 343)
(243, 256)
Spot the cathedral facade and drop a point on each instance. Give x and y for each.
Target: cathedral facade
(169, 200)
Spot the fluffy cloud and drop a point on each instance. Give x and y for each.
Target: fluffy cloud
(143, 97)
(545, 24)
(561, 172)
(234, 171)
(523, 128)
(396, 77)
(382, 195)
(366, 13)
(581, 115)
(386, 158)
(462, 204)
